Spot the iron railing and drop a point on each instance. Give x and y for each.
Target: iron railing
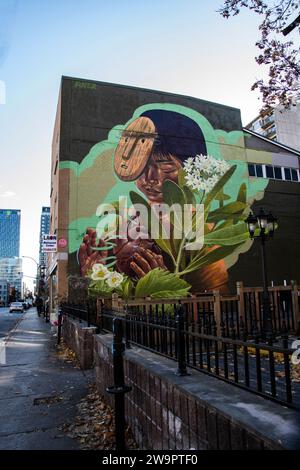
(189, 333)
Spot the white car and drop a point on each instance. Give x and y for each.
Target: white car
(16, 307)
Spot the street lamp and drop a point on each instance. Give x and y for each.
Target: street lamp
(29, 257)
(38, 270)
(262, 225)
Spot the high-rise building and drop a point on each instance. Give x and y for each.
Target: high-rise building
(11, 274)
(10, 233)
(44, 229)
(281, 125)
(4, 292)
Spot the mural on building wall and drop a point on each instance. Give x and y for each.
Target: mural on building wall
(165, 156)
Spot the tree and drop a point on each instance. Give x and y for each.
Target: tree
(279, 19)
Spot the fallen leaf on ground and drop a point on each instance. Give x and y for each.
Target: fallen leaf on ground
(93, 428)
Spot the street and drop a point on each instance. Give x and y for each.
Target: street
(38, 391)
(8, 321)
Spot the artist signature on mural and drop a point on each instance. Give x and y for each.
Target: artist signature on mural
(86, 85)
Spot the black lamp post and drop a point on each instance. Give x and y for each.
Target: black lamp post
(262, 226)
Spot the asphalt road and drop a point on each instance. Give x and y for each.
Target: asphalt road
(7, 321)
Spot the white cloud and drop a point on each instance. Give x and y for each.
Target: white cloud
(8, 194)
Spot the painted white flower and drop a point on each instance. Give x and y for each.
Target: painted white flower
(100, 272)
(114, 279)
(203, 172)
(188, 164)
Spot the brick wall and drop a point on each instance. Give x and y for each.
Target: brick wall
(165, 411)
(80, 338)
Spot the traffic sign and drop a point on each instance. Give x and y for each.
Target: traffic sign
(49, 244)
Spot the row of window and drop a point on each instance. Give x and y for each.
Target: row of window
(273, 172)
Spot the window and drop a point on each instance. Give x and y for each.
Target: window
(269, 171)
(287, 174)
(294, 174)
(259, 171)
(277, 173)
(251, 169)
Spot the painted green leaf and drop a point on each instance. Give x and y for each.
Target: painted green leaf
(137, 199)
(181, 177)
(221, 196)
(166, 294)
(210, 257)
(164, 245)
(158, 281)
(228, 235)
(226, 211)
(126, 289)
(229, 222)
(99, 288)
(217, 188)
(242, 194)
(189, 196)
(173, 194)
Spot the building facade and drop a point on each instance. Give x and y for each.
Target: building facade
(44, 229)
(281, 125)
(10, 221)
(11, 274)
(4, 292)
(114, 143)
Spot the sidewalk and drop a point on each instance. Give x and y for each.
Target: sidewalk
(38, 391)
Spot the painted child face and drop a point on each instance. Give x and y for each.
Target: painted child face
(159, 169)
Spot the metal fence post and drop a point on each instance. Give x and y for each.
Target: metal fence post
(127, 327)
(59, 323)
(181, 353)
(119, 388)
(88, 314)
(217, 311)
(295, 306)
(241, 300)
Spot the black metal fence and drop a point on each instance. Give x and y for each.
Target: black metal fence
(281, 306)
(86, 312)
(191, 335)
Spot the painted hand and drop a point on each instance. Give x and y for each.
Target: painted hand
(87, 255)
(146, 260)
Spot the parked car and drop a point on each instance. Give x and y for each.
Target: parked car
(16, 307)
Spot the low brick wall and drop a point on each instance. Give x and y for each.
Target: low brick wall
(80, 338)
(197, 411)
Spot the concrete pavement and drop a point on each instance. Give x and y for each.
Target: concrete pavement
(38, 390)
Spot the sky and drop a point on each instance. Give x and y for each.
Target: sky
(180, 46)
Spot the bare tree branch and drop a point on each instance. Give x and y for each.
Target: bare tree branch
(291, 26)
(282, 58)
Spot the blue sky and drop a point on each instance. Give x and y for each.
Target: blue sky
(182, 46)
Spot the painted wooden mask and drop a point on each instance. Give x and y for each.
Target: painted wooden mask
(134, 149)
